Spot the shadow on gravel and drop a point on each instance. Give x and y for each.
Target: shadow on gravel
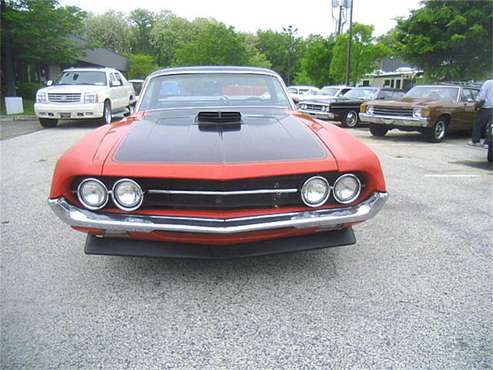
(407, 137)
(485, 165)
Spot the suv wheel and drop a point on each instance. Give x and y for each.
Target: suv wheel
(48, 123)
(437, 132)
(107, 114)
(378, 130)
(130, 109)
(351, 120)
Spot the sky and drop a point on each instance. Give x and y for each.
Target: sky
(309, 16)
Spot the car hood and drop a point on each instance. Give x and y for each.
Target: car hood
(74, 89)
(177, 137)
(408, 102)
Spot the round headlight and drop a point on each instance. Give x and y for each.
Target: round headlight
(347, 188)
(92, 193)
(369, 110)
(127, 194)
(417, 112)
(315, 191)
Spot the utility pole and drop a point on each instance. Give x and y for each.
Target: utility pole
(291, 43)
(350, 44)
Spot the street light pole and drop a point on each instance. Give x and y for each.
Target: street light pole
(350, 42)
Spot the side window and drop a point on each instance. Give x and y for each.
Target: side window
(112, 78)
(465, 95)
(474, 94)
(121, 78)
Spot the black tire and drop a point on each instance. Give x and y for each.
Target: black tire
(351, 119)
(107, 113)
(437, 132)
(378, 130)
(48, 123)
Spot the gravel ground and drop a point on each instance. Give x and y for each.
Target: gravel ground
(414, 292)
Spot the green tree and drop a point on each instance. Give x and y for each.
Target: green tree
(275, 46)
(109, 30)
(449, 39)
(38, 32)
(213, 44)
(169, 34)
(140, 65)
(141, 23)
(315, 64)
(364, 57)
(255, 57)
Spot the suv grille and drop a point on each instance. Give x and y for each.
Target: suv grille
(64, 97)
(383, 111)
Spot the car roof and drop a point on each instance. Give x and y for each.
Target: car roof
(102, 69)
(212, 69)
(303, 86)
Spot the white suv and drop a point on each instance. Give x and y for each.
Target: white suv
(84, 93)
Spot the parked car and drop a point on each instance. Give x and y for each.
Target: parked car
(300, 92)
(346, 108)
(216, 162)
(329, 92)
(137, 85)
(434, 110)
(84, 93)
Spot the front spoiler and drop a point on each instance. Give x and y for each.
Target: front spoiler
(144, 248)
(322, 219)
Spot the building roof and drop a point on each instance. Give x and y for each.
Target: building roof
(105, 58)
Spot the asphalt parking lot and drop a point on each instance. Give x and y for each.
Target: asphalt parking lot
(414, 292)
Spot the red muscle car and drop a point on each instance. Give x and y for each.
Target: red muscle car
(216, 162)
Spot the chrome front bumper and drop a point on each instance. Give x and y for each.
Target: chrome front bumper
(322, 219)
(394, 120)
(318, 114)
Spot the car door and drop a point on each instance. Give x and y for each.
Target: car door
(467, 110)
(121, 91)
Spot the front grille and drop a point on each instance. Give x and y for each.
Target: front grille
(401, 112)
(64, 97)
(314, 107)
(265, 192)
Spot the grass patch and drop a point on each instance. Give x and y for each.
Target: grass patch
(28, 108)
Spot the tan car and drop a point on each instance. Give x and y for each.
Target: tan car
(434, 110)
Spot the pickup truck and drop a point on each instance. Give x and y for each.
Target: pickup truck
(84, 93)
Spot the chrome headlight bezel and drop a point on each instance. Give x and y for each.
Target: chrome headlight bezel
(322, 200)
(84, 202)
(119, 203)
(417, 112)
(41, 97)
(90, 98)
(354, 196)
(370, 109)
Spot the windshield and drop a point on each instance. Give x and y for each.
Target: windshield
(82, 78)
(366, 94)
(433, 93)
(331, 91)
(214, 90)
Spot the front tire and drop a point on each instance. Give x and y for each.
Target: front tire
(48, 123)
(437, 132)
(351, 120)
(378, 131)
(107, 114)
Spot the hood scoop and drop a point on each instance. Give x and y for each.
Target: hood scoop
(219, 118)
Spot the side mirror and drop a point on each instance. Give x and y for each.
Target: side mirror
(49, 83)
(115, 83)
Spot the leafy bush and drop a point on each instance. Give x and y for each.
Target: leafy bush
(28, 89)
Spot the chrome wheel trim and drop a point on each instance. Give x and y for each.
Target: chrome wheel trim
(351, 119)
(439, 130)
